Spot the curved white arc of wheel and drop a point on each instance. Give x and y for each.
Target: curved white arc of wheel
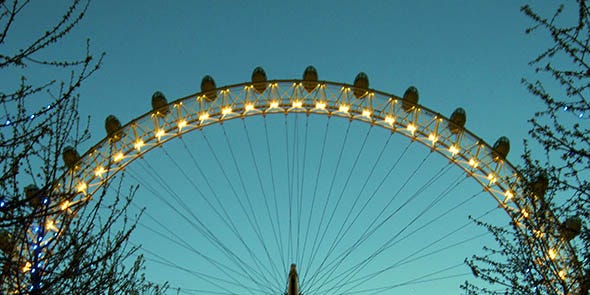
(464, 149)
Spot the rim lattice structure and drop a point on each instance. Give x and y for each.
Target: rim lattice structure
(469, 152)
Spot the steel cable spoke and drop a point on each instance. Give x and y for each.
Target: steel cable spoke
(267, 207)
(368, 231)
(421, 279)
(161, 260)
(391, 242)
(236, 196)
(275, 196)
(313, 248)
(330, 219)
(258, 229)
(313, 200)
(186, 245)
(206, 232)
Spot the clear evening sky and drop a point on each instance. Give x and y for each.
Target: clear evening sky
(470, 54)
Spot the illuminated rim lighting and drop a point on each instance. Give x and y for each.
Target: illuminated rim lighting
(421, 124)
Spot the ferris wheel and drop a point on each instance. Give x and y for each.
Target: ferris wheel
(310, 187)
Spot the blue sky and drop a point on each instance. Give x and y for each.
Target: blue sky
(470, 54)
(458, 53)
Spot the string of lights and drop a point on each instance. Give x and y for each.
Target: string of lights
(579, 114)
(7, 121)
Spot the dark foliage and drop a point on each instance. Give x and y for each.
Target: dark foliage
(87, 252)
(561, 130)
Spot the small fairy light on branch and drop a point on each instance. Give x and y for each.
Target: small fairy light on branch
(572, 109)
(10, 122)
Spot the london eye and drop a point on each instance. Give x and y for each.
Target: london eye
(305, 186)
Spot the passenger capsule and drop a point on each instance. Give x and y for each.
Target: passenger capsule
(259, 80)
(501, 149)
(361, 85)
(540, 185)
(457, 121)
(113, 128)
(410, 98)
(310, 78)
(32, 195)
(159, 104)
(70, 157)
(208, 88)
(571, 228)
(6, 242)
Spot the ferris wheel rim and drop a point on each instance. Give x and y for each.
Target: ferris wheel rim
(70, 181)
(507, 193)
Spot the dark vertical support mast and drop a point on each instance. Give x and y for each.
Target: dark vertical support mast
(293, 281)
